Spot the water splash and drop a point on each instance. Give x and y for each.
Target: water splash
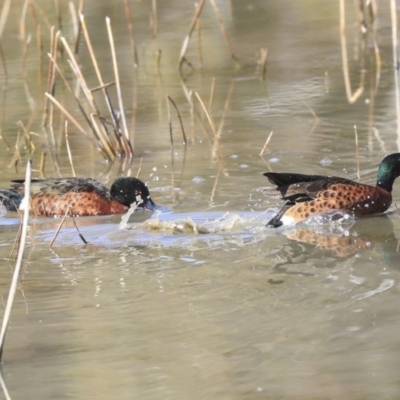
(335, 221)
(386, 284)
(192, 224)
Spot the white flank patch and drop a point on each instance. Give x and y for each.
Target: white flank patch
(286, 220)
(24, 205)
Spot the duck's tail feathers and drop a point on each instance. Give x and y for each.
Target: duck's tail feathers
(10, 200)
(276, 221)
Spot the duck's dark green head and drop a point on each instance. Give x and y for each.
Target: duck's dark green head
(131, 190)
(388, 171)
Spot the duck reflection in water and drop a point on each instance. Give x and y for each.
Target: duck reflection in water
(374, 233)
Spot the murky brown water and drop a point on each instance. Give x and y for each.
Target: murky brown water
(241, 312)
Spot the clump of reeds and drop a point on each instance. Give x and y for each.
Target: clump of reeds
(109, 134)
(107, 131)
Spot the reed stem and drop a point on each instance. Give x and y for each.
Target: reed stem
(18, 264)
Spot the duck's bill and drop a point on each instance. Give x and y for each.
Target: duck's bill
(150, 205)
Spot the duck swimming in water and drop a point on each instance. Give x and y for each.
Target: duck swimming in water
(78, 196)
(306, 195)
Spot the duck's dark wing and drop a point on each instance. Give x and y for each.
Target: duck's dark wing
(285, 178)
(296, 188)
(61, 186)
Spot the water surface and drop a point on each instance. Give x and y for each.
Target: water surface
(238, 311)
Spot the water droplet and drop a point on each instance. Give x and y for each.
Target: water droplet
(198, 179)
(326, 162)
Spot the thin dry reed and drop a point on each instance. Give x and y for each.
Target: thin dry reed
(266, 143)
(60, 226)
(18, 263)
(3, 18)
(351, 97)
(223, 30)
(47, 119)
(199, 42)
(393, 13)
(226, 107)
(4, 387)
(212, 93)
(186, 41)
(119, 92)
(357, 152)
(129, 20)
(211, 122)
(154, 19)
(42, 163)
(69, 148)
(195, 23)
(263, 62)
(180, 120)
